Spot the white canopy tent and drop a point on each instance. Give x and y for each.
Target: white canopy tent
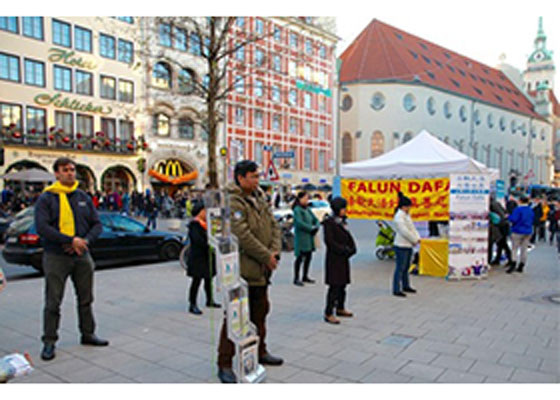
(424, 156)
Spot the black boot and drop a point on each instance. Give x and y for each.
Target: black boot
(511, 267)
(193, 308)
(520, 268)
(297, 267)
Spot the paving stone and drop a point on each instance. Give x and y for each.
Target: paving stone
(91, 374)
(522, 375)
(452, 376)
(352, 356)
(423, 371)
(380, 376)
(317, 363)
(452, 362)
(418, 355)
(491, 369)
(482, 353)
(520, 361)
(447, 348)
(385, 363)
(311, 377)
(164, 375)
(348, 370)
(550, 366)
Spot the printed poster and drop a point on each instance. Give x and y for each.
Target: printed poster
(377, 199)
(229, 268)
(235, 317)
(468, 225)
(249, 359)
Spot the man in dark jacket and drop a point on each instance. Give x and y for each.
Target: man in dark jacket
(538, 213)
(259, 240)
(504, 231)
(67, 223)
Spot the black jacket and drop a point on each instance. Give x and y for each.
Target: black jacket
(198, 265)
(340, 247)
(86, 220)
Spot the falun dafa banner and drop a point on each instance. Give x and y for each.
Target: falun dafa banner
(377, 199)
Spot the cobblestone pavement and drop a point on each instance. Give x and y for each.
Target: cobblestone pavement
(502, 329)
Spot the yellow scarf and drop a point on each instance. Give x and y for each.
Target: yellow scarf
(66, 219)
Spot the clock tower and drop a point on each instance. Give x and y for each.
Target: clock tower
(540, 65)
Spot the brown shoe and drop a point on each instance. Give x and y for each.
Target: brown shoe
(331, 319)
(344, 313)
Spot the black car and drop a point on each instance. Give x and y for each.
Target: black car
(5, 221)
(122, 240)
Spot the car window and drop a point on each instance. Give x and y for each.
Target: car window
(124, 224)
(318, 204)
(20, 226)
(26, 212)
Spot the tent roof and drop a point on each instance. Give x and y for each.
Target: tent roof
(423, 156)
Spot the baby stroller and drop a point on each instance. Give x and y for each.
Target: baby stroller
(384, 241)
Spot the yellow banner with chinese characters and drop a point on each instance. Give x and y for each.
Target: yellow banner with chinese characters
(378, 199)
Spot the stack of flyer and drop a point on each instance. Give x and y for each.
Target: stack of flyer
(14, 365)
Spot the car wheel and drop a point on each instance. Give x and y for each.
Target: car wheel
(37, 262)
(170, 251)
(380, 253)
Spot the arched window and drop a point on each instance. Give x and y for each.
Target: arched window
(186, 128)
(162, 75)
(161, 125)
(407, 136)
(186, 81)
(347, 148)
(377, 144)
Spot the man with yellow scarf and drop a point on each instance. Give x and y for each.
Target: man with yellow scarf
(67, 223)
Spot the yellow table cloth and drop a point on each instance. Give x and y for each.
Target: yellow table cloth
(434, 257)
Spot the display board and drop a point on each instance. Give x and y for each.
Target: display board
(468, 225)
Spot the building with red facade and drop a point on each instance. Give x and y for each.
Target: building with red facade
(284, 97)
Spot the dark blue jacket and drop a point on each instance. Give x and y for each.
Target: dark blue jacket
(522, 220)
(86, 220)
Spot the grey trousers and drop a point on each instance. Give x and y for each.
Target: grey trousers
(57, 268)
(519, 242)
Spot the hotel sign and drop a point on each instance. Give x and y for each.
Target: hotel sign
(69, 57)
(45, 99)
(312, 88)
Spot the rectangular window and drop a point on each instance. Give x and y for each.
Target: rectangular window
(165, 35)
(293, 125)
(323, 51)
(259, 57)
(259, 90)
(84, 126)
(240, 54)
(180, 42)
(9, 24)
(276, 123)
(32, 27)
(62, 78)
(126, 91)
(293, 160)
(321, 131)
(307, 101)
(307, 159)
(128, 20)
(293, 97)
(277, 66)
(322, 161)
(36, 124)
(107, 87)
(240, 116)
(259, 153)
(276, 94)
(239, 84)
(307, 129)
(240, 22)
(34, 73)
(195, 44)
(186, 128)
(82, 39)
(293, 40)
(61, 33)
(109, 127)
(106, 46)
(126, 51)
(277, 33)
(126, 132)
(84, 83)
(322, 104)
(308, 46)
(64, 121)
(258, 119)
(11, 115)
(9, 67)
(259, 26)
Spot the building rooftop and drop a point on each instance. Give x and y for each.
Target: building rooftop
(383, 53)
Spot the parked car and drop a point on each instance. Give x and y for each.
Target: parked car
(319, 208)
(123, 239)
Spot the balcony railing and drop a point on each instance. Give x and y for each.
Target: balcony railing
(103, 145)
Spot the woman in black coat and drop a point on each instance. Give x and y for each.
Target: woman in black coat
(198, 260)
(340, 247)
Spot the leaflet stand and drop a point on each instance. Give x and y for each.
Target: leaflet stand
(234, 289)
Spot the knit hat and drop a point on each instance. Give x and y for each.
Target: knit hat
(404, 201)
(337, 204)
(198, 206)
